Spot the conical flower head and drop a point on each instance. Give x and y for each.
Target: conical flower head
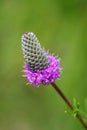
(34, 55)
(40, 67)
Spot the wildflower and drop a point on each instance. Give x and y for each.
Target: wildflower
(40, 67)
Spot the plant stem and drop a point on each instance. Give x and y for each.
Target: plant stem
(68, 103)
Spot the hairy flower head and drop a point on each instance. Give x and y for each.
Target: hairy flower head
(40, 67)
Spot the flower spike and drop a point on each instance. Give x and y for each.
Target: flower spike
(40, 67)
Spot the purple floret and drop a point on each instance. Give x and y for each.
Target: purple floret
(44, 77)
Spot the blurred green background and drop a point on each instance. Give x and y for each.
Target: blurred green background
(61, 27)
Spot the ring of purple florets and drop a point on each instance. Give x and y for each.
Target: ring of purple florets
(44, 77)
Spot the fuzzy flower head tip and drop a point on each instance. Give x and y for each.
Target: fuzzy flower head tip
(40, 68)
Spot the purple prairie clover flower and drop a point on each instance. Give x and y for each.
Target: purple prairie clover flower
(41, 68)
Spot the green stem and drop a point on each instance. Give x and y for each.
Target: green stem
(68, 103)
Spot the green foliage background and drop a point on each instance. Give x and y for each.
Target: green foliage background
(61, 26)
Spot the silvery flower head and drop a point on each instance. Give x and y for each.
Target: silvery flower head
(40, 67)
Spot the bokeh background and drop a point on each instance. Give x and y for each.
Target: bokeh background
(61, 26)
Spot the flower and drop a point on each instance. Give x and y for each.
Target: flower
(41, 68)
